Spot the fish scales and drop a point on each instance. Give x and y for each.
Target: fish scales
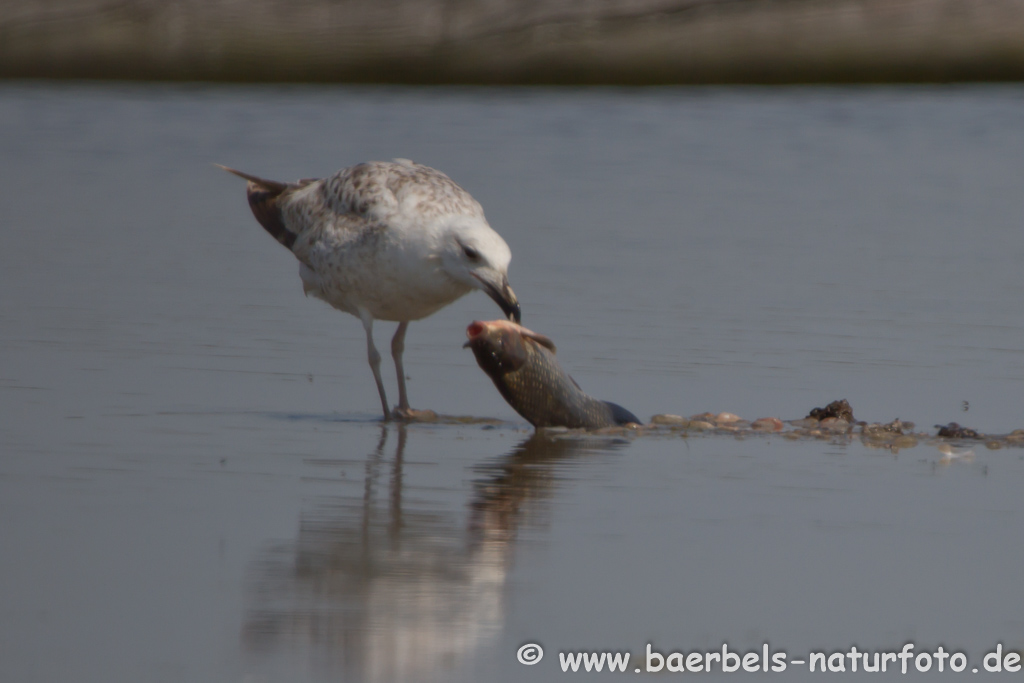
(523, 367)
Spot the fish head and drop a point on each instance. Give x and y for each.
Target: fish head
(502, 346)
(476, 256)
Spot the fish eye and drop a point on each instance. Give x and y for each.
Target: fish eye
(471, 253)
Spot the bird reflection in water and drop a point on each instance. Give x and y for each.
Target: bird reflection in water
(388, 590)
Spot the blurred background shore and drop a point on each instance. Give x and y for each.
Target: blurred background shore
(515, 41)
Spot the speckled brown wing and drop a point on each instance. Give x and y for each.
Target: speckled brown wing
(380, 191)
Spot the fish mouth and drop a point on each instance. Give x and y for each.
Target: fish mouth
(475, 329)
(504, 297)
(498, 346)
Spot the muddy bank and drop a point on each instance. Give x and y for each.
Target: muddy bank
(952, 440)
(506, 41)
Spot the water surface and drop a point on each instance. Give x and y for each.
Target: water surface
(196, 487)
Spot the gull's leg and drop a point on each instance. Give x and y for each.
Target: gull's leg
(403, 411)
(397, 348)
(374, 357)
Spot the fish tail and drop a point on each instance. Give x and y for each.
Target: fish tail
(620, 415)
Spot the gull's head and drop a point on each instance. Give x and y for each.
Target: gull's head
(473, 254)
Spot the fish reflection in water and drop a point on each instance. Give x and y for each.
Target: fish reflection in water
(377, 590)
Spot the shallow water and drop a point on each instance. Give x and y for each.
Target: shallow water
(195, 486)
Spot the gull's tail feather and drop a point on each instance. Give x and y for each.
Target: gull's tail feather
(264, 196)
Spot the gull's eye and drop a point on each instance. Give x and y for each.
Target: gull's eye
(471, 253)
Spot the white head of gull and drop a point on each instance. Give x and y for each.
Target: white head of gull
(386, 241)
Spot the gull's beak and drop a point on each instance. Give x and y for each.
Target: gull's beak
(503, 296)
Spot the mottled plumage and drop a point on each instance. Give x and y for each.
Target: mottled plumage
(385, 241)
(523, 366)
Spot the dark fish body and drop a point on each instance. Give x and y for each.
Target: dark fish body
(523, 367)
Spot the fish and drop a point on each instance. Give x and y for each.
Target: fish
(523, 367)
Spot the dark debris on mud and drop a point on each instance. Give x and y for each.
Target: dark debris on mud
(955, 431)
(838, 409)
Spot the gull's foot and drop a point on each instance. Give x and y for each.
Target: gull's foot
(413, 415)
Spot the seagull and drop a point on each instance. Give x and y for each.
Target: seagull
(386, 240)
